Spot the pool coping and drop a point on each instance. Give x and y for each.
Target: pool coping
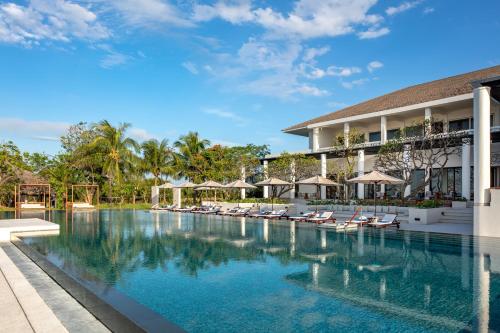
(111, 317)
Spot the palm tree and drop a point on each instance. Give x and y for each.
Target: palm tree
(114, 150)
(189, 160)
(157, 158)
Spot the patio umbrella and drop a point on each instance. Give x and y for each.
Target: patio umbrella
(376, 178)
(167, 185)
(239, 184)
(318, 181)
(186, 185)
(211, 185)
(273, 182)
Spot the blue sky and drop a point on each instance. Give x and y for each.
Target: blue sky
(235, 71)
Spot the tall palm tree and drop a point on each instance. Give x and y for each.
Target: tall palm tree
(114, 149)
(188, 159)
(157, 158)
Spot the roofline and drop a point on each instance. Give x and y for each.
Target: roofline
(386, 112)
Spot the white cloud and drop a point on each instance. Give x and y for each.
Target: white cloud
(374, 65)
(148, 13)
(34, 129)
(236, 11)
(336, 105)
(140, 134)
(114, 59)
(225, 114)
(310, 54)
(428, 10)
(55, 20)
(311, 90)
(373, 33)
(352, 84)
(190, 67)
(407, 5)
(307, 19)
(224, 143)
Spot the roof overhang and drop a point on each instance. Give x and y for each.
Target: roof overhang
(430, 104)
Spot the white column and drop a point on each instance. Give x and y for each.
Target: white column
(346, 134)
(482, 146)
(382, 188)
(266, 188)
(383, 129)
(427, 188)
(155, 195)
(323, 174)
(243, 193)
(428, 119)
(292, 171)
(177, 197)
(406, 160)
(466, 169)
(481, 292)
(361, 171)
(315, 139)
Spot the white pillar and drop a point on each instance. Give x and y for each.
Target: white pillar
(243, 193)
(383, 129)
(266, 188)
(382, 188)
(428, 119)
(346, 134)
(315, 139)
(292, 171)
(466, 169)
(361, 171)
(481, 293)
(406, 160)
(323, 174)
(155, 195)
(427, 188)
(177, 197)
(482, 146)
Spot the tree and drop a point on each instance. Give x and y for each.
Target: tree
(189, 161)
(157, 158)
(290, 167)
(421, 146)
(114, 149)
(78, 135)
(11, 165)
(346, 151)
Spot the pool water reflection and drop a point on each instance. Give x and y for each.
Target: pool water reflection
(220, 274)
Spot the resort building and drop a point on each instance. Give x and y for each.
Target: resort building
(469, 103)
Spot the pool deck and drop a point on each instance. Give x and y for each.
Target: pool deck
(30, 301)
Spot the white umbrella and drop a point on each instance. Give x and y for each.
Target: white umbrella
(376, 178)
(239, 184)
(318, 181)
(273, 182)
(186, 185)
(210, 185)
(166, 185)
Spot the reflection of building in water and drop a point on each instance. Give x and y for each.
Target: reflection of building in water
(243, 226)
(265, 230)
(421, 278)
(292, 238)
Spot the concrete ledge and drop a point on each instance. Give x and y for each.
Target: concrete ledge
(7, 227)
(39, 315)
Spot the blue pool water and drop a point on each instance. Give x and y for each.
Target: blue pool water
(220, 274)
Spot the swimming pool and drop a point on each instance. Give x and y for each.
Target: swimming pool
(222, 274)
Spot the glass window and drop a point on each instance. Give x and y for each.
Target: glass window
(374, 136)
(414, 131)
(437, 127)
(458, 125)
(393, 134)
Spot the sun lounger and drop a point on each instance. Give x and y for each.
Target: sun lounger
(362, 219)
(185, 210)
(322, 218)
(278, 215)
(213, 210)
(386, 221)
(302, 217)
(230, 211)
(241, 212)
(263, 213)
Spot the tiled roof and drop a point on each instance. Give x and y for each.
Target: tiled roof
(420, 93)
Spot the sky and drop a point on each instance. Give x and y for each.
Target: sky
(236, 71)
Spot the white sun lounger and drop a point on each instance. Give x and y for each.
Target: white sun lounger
(387, 220)
(323, 217)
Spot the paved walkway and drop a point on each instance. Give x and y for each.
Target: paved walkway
(444, 228)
